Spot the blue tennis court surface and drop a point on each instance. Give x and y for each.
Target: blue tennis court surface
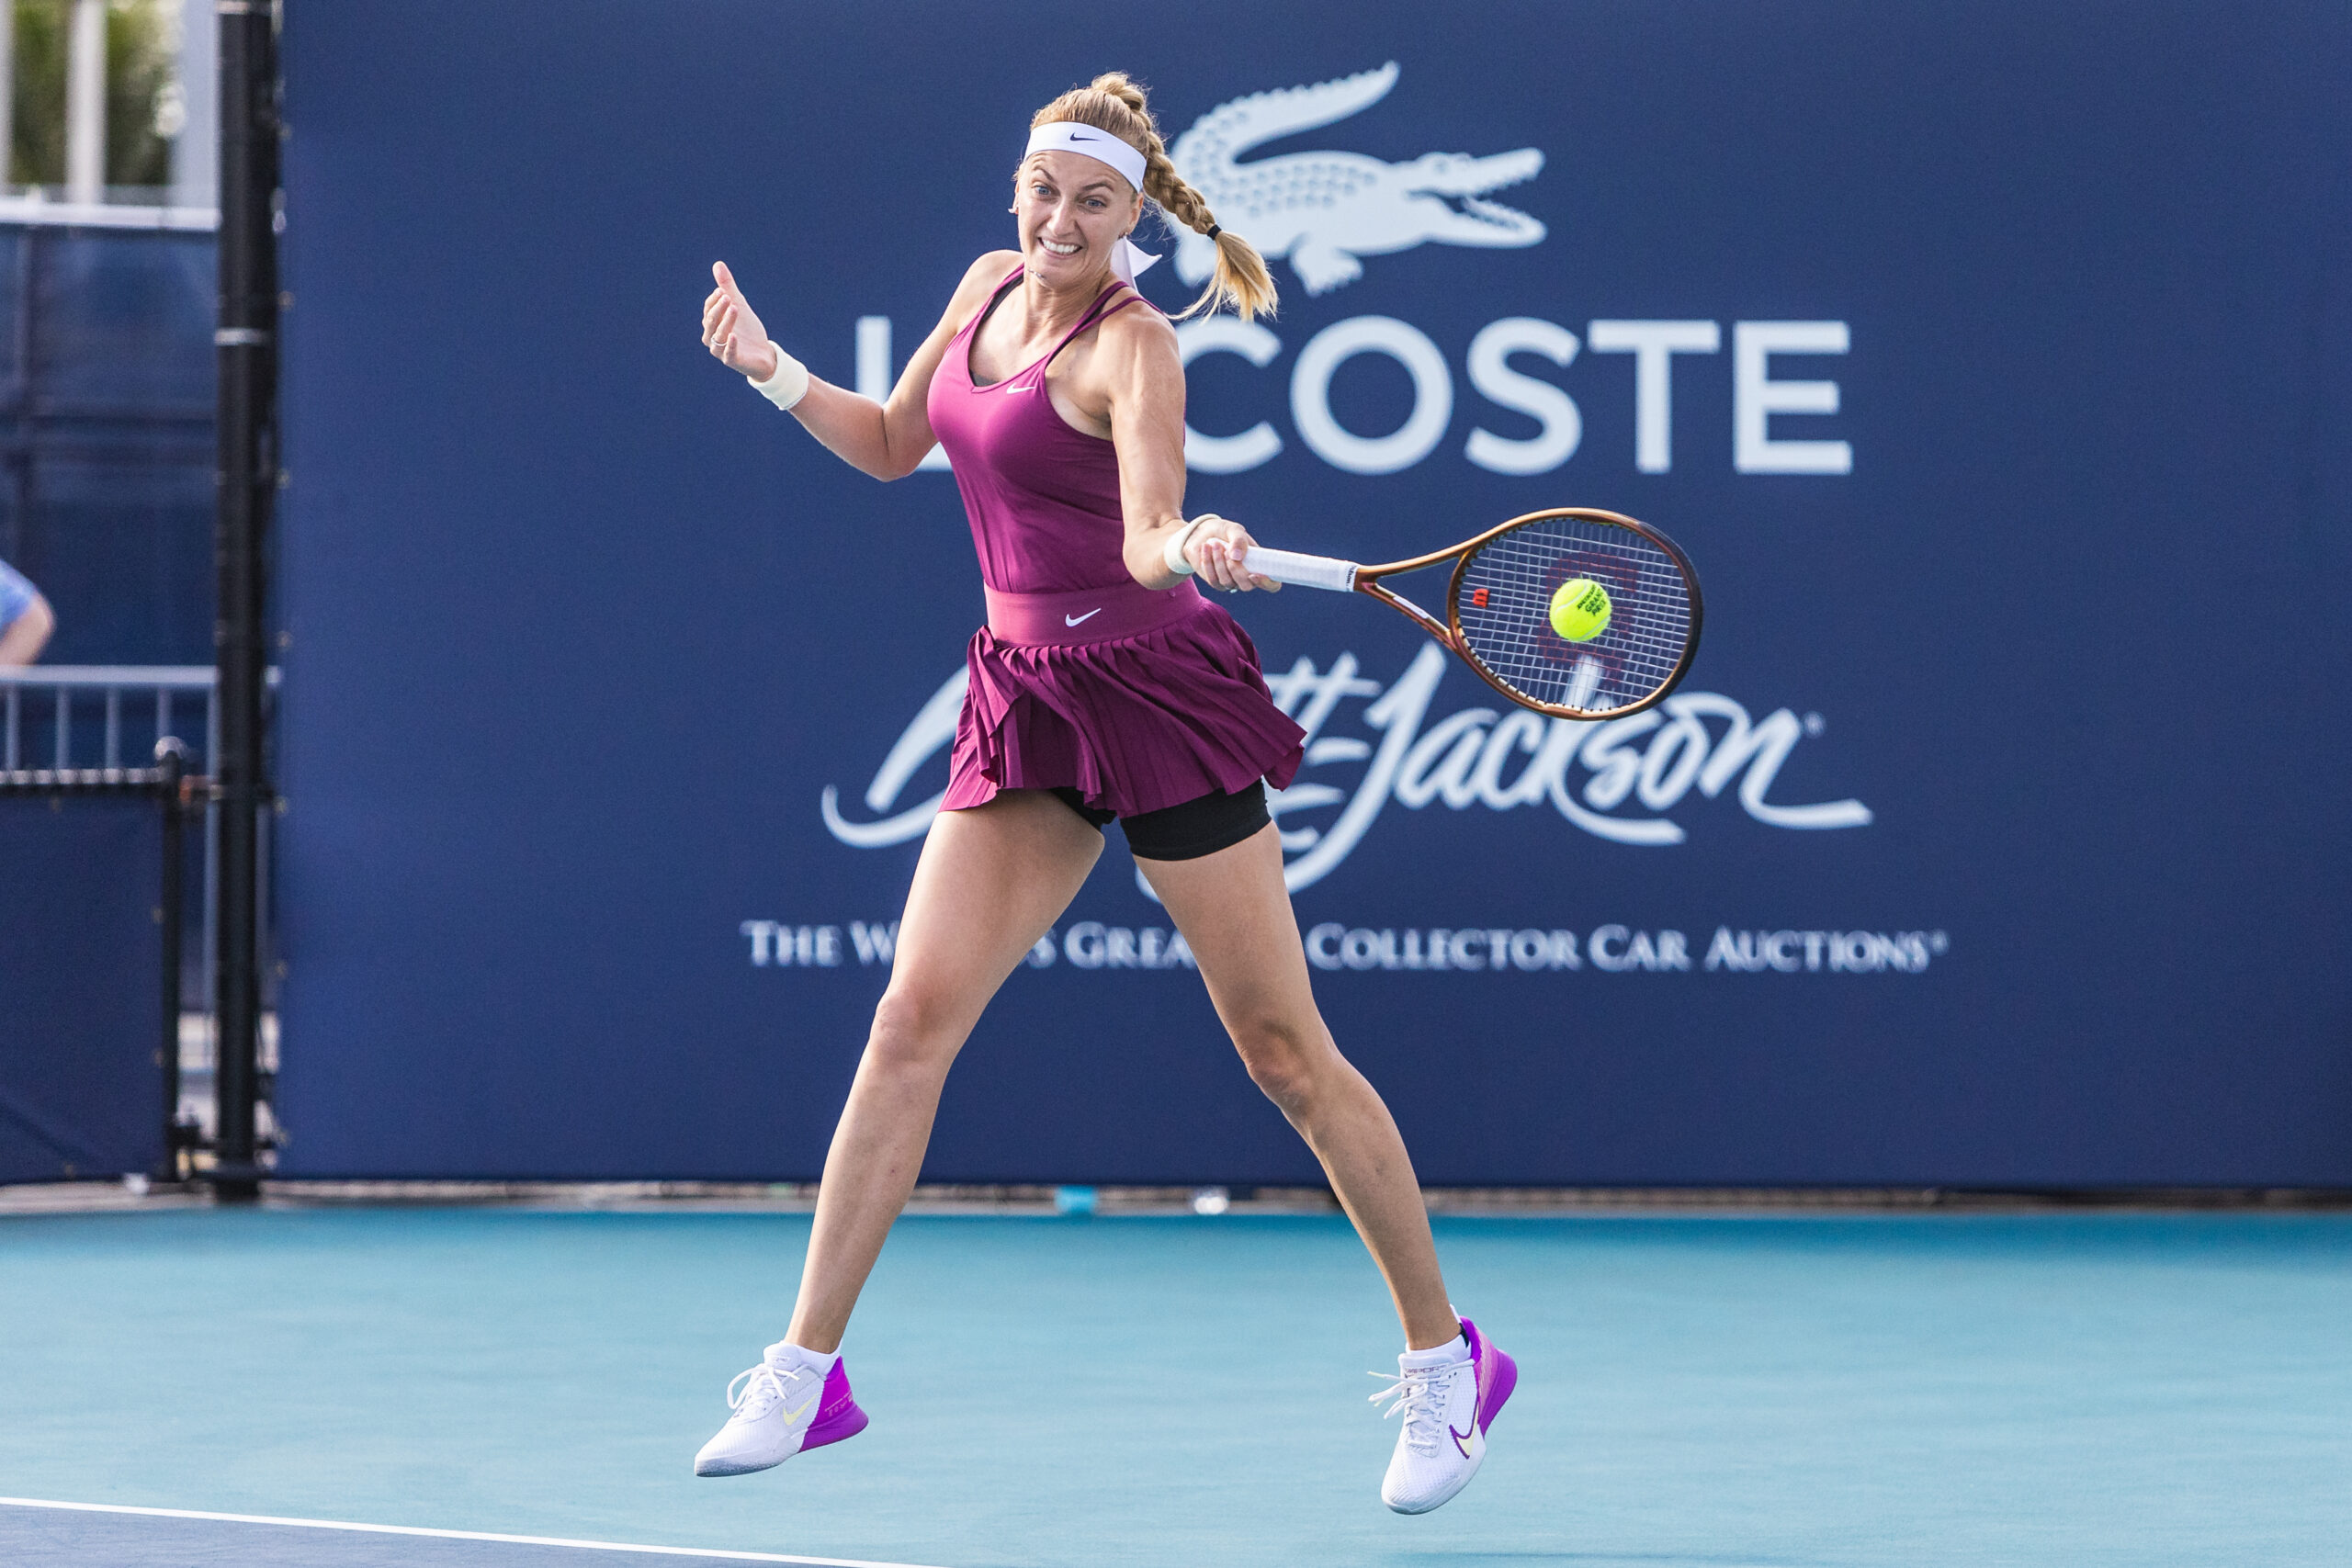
(2037, 1389)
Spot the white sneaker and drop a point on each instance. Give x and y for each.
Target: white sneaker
(783, 1407)
(1447, 1410)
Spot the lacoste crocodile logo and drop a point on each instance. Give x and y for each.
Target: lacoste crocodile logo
(1326, 210)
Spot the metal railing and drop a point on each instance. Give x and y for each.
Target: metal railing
(102, 687)
(35, 204)
(83, 717)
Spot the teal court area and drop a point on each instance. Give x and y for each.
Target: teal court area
(1862, 1392)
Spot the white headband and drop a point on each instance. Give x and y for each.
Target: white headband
(1071, 136)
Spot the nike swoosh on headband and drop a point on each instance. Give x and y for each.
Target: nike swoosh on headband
(1070, 620)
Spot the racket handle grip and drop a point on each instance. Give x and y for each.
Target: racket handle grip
(1306, 572)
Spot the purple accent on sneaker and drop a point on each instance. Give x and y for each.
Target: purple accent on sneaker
(1497, 1374)
(837, 1416)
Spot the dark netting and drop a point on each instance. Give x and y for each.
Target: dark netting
(1505, 612)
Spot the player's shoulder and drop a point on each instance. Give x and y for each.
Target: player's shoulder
(980, 280)
(1140, 329)
(991, 269)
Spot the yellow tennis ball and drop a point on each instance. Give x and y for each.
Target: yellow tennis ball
(1580, 609)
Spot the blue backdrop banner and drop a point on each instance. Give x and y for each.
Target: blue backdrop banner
(81, 1092)
(1993, 364)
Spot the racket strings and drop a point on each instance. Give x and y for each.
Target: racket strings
(1505, 601)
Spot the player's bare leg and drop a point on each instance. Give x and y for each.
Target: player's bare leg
(990, 882)
(1235, 916)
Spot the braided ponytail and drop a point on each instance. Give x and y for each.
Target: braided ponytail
(1111, 103)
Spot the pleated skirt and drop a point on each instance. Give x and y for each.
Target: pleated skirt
(1133, 724)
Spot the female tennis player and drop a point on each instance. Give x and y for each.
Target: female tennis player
(1103, 686)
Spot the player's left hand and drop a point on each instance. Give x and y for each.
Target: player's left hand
(1219, 551)
(732, 329)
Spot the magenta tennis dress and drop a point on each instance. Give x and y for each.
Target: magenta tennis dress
(1137, 698)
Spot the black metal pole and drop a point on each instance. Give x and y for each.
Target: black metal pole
(171, 758)
(246, 341)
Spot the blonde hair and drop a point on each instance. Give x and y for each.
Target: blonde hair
(1112, 103)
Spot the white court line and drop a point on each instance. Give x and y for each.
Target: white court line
(449, 1535)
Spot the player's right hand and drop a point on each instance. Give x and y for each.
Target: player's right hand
(731, 329)
(1219, 553)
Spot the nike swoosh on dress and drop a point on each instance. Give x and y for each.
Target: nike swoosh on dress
(1070, 620)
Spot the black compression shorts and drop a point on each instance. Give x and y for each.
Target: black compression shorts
(1188, 831)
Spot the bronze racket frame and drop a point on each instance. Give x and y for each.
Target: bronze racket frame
(1449, 631)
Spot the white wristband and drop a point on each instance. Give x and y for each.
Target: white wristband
(1173, 557)
(788, 384)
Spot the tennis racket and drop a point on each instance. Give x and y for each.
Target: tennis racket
(1498, 607)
